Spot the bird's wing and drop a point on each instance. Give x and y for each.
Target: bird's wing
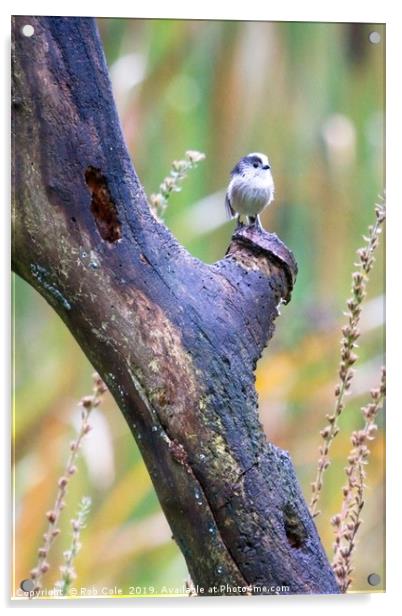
(229, 210)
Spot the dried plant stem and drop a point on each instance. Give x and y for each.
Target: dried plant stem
(68, 570)
(88, 403)
(350, 335)
(171, 183)
(347, 522)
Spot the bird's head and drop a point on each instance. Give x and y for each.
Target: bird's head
(254, 164)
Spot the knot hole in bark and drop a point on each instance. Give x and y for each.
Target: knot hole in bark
(103, 207)
(294, 528)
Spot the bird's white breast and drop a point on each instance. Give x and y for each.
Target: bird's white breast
(250, 195)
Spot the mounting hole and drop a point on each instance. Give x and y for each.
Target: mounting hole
(374, 579)
(27, 585)
(28, 30)
(374, 38)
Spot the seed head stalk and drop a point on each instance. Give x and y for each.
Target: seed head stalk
(88, 403)
(350, 335)
(347, 522)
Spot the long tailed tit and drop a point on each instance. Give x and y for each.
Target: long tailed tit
(251, 188)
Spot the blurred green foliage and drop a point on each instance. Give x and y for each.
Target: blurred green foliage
(311, 96)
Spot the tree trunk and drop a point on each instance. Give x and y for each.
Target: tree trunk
(175, 340)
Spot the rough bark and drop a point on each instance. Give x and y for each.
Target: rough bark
(175, 340)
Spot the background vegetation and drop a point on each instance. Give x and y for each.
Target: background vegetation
(310, 95)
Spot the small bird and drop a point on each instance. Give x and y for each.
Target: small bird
(251, 188)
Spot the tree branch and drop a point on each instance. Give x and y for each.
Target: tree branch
(175, 340)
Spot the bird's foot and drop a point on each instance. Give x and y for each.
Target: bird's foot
(255, 221)
(239, 224)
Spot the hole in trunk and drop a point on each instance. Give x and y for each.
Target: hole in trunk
(103, 207)
(294, 528)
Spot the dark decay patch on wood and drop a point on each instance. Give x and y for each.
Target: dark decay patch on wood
(103, 207)
(294, 528)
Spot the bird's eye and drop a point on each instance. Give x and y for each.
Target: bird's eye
(255, 165)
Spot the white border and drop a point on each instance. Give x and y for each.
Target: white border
(285, 10)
